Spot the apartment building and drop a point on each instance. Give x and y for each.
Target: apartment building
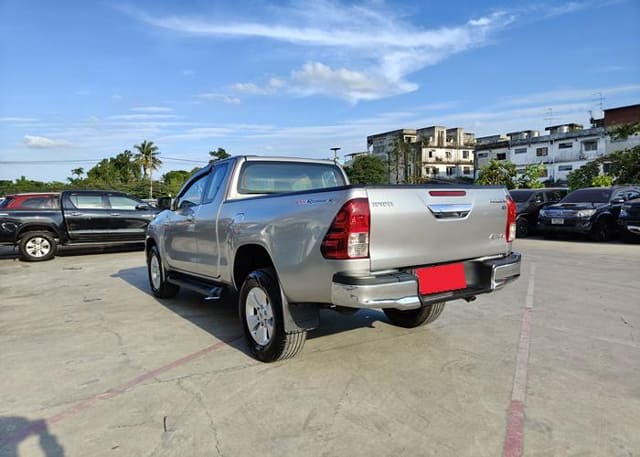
(434, 152)
(566, 147)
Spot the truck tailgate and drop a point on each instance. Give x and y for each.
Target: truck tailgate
(413, 226)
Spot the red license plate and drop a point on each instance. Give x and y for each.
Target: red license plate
(442, 278)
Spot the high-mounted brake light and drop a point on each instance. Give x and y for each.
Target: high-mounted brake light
(447, 193)
(348, 235)
(510, 231)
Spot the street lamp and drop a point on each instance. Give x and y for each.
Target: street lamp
(335, 150)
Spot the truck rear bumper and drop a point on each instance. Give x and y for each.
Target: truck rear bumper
(399, 290)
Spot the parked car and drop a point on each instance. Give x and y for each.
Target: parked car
(629, 220)
(529, 202)
(290, 236)
(591, 211)
(39, 223)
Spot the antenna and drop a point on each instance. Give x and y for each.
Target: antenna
(549, 116)
(600, 100)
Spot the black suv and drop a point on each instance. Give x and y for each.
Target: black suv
(529, 203)
(590, 211)
(629, 221)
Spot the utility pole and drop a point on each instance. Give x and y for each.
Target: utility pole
(335, 150)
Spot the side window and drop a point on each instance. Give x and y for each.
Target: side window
(217, 176)
(538, 197)
(40, 203)
(192, 196)
(89, 201)
(633, 194)
(618, 195)
(122, 202)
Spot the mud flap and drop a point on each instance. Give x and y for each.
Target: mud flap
(302, 316)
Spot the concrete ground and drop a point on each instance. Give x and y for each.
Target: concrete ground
(92, 365)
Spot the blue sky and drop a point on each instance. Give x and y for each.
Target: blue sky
(84, 80)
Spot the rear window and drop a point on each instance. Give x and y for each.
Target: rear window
(588, 196)
(277, 177)
(520, 196)
(5, 202)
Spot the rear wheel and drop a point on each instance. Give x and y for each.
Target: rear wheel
(262, 318)
(522, 227)
(415, 317)
(37, 246)
(159, 285)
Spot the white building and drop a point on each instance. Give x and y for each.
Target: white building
(565, 148)
(434, 152)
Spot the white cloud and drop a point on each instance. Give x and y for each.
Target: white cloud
(564, 95)
(152, 109)
(116, 97)
(18, 119)
(382, 48)
(212, 96)
(317, 78)
(41, 142)
(141, 117)
(188, 72)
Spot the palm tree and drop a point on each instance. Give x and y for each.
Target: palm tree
(77, 172)
(147, 158)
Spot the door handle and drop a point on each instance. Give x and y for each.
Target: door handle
(115, 214)
(75, 213)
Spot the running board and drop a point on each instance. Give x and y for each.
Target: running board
(210, 291)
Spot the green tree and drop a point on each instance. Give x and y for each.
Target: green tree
(602, 181)
(583, 176)
(147, 157)
(174, 180)
(498, 172)
(220, 154)
(367, 169)
(624, 131)
(530, 177)
(625, 166)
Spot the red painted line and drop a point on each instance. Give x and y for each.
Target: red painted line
(514, 439)
(83, 405)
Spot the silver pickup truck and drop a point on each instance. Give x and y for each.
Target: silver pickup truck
(291, 236)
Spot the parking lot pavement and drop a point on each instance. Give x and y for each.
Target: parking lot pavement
(94, 365)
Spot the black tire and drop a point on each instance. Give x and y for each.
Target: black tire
(37, 246)
(261, 315)
(522, 227)
(157, 281)
(601, 231)
(415, 317)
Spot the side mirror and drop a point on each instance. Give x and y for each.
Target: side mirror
(617, 201)
(165, 202)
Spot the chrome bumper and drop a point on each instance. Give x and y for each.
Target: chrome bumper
(399, 290)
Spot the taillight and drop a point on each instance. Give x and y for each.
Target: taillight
(348, 235)
(510, 230)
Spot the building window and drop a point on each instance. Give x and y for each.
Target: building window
(565, 145)
(431, 154)
(565, 167)
(466, 170)
(482, 155)
(590, 145)
(501, 156)
(606, 167)
(520, 150)
(465, 154)
(544, 173)
(447, 154)
(542, 151)
(451, 171)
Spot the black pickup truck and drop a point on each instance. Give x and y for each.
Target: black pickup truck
(39, 223)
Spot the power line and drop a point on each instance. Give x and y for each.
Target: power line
(48, 162)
